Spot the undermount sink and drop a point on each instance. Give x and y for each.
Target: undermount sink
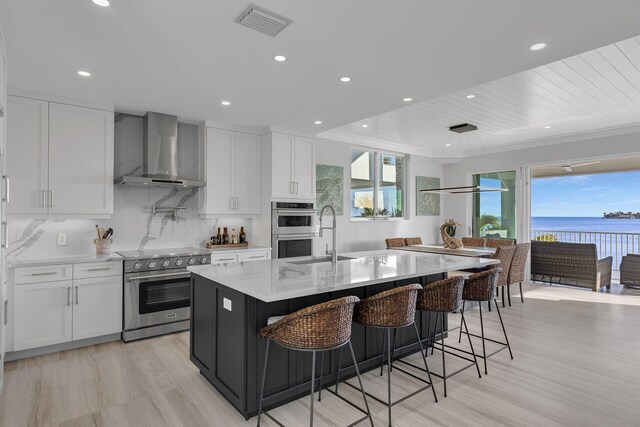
(317, 260)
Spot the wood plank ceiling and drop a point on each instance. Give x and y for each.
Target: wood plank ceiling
(596, 90)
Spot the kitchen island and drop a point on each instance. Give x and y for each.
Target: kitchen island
(230, 303)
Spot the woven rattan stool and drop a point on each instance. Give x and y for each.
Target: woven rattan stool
(392, 309)
(481, 287)
(321, 327)
(440, 298)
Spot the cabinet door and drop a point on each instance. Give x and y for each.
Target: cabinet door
(281, 164)
(304, 168)
(248, 174)
(27, 149)
(97, 307)
(80, 160)
(219, 167)
(42, 314)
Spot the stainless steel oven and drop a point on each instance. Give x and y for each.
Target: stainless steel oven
(157, 294)
(293, 229)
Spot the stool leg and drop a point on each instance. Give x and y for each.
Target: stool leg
(488, 305)
(313, 382)
(264, 377)
(384, 346)
(504, 331)
(484, 350)
(509, 294)
(436, 330)
(502, 298)
(429, 329)
(444, 366)
(461, 320)
(473, 352)
(393, 351)
(338, 373)
(521, 296)
(320, 376)
(364, 395)
(423, 353)
(389, 373)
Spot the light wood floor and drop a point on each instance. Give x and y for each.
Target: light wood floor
(577, 363)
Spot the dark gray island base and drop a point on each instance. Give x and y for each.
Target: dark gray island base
(226, 348)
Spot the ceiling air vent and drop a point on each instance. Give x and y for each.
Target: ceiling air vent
(465, 127)
(262, 20)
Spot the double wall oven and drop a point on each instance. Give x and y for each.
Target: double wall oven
(157, 291)
(293, 229)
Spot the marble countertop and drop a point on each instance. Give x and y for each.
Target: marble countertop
(247, 249)
(280, 279)
(62, 259)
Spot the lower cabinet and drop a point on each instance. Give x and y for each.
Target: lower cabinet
(55, 312)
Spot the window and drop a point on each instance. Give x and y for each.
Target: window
(494, 214)
(377, 184)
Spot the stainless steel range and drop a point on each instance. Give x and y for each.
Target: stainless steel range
(157, 289)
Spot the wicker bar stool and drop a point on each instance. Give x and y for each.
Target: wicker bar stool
(321, 327)
(409, 241)
(481, 287)
(396, 242)
(392, 309)
(477, 242)
(516, 272)
(442, 297)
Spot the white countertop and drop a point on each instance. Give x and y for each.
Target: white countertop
(249, 248)
(279, 279)
(62, 259)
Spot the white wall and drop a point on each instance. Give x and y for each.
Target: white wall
(366, 235)
(460, 207)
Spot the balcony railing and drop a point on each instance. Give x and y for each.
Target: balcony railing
(609, 244)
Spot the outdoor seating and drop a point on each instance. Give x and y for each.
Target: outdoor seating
(630, 270)
(574, 264)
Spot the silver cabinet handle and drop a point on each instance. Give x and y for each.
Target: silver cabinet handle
(6, 309)
(7, 188)
(257, 256)
(44, 198)
(99, 269)
(69, 296)
(77, 294)
(225, 259)
(297, 187)
(293, 185)
(51, 199)
(5, 242)
(237, 203)
(44, 274)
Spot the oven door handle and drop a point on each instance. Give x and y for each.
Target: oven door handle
(294, 236)
(157, 276)
(294, 212)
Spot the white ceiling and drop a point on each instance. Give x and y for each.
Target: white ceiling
(599, 89)
(184, 57)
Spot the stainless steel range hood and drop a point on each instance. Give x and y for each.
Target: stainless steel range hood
(160, 154)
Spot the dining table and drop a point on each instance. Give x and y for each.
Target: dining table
(468, 251)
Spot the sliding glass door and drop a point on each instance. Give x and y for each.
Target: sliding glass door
(494, 213)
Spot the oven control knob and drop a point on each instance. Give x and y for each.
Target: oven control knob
(137, 265)
(191, 261)
(165, 263)
(203, 260)
(151, 264)
(178, 262)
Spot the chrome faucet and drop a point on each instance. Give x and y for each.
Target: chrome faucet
(334, 252)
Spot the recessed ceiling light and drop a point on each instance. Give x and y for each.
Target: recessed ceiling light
(538, 46)
(447, 145)
(547, 127)
(471, 96)
(103, 3)
(226, 103)
(84, 73)
(407, 99)
(345, 79)
(365, 126)
(317, 122)
(280, 58)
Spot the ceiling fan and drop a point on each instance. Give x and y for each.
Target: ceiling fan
(569, 167)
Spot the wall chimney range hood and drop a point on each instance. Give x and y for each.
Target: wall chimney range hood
(160, 157)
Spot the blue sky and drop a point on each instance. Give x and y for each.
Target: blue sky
(585, 195)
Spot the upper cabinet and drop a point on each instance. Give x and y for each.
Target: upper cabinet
(293, 167)
(232, 169)
(60, 158)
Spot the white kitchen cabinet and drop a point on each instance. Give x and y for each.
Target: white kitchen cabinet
(28, 149)
(233, 173)
(255, 255)
(293, 167)
(60, 158)
(97, 307)
(42, 314)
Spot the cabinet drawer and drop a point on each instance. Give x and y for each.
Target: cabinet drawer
(45, 273)
(224, 258)
(97, 269)
(255, 256)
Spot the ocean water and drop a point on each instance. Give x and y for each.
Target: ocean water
(592, 224)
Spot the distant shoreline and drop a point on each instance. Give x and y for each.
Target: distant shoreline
(621, 215)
